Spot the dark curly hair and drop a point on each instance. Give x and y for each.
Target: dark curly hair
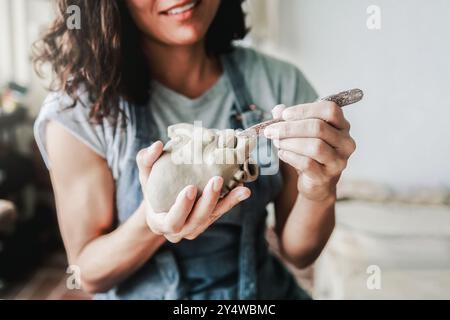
(97, 56)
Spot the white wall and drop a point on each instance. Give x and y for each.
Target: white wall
(403, 126)
(21, 23)
(40, 13)
(5, 42)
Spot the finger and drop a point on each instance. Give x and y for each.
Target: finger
(277, 111)
(175, 219)
(204, 206)
(232, 199)
(165, 222)
(223, 206)
(315, 149)
(347, 147)
(313, 128)
(308, 128)
(325, 110)
(305, 165)
(146, 158)
(173, 238)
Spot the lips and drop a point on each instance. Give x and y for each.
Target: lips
(181, 8)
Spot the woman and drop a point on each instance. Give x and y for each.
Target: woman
(134, 68)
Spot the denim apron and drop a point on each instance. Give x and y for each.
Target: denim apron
(259, 275)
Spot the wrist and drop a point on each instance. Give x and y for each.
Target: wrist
(325, 197)
(144, 230)
(318, 193)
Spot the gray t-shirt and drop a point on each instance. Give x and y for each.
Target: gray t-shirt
(270, 82)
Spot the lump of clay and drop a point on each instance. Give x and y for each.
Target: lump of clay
(193, 156)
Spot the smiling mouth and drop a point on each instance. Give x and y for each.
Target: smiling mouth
(182, 9)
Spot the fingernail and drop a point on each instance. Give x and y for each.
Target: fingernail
(278, 110)
(190, 193)
(280, 154)
(153, 146)
(243, 195)
(217, 184)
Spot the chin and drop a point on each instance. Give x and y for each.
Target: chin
(185, 36)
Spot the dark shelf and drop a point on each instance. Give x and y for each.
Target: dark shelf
(10, 120)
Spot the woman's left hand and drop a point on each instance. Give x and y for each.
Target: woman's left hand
(315, 140)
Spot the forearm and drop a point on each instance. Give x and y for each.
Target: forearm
(111, 258)
(307, 230)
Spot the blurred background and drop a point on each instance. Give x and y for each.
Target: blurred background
(392, 238)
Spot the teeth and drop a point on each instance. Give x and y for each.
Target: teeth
(182, 9)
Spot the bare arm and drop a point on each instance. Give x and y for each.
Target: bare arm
(84, 191)
(302, 225)
(314, 144)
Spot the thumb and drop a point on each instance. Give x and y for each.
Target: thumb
(146, 158)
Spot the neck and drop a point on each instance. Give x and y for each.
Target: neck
(185, 69)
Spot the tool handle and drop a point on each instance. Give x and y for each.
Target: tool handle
(345, 98)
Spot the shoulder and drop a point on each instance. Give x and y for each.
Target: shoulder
(74, 117)
(59, 107)
(274, 78)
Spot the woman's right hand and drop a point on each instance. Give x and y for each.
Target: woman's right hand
(187, 218)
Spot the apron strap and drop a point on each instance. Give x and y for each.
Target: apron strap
(247, 286)
(237, 81)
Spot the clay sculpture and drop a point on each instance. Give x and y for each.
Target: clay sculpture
(193, 156)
